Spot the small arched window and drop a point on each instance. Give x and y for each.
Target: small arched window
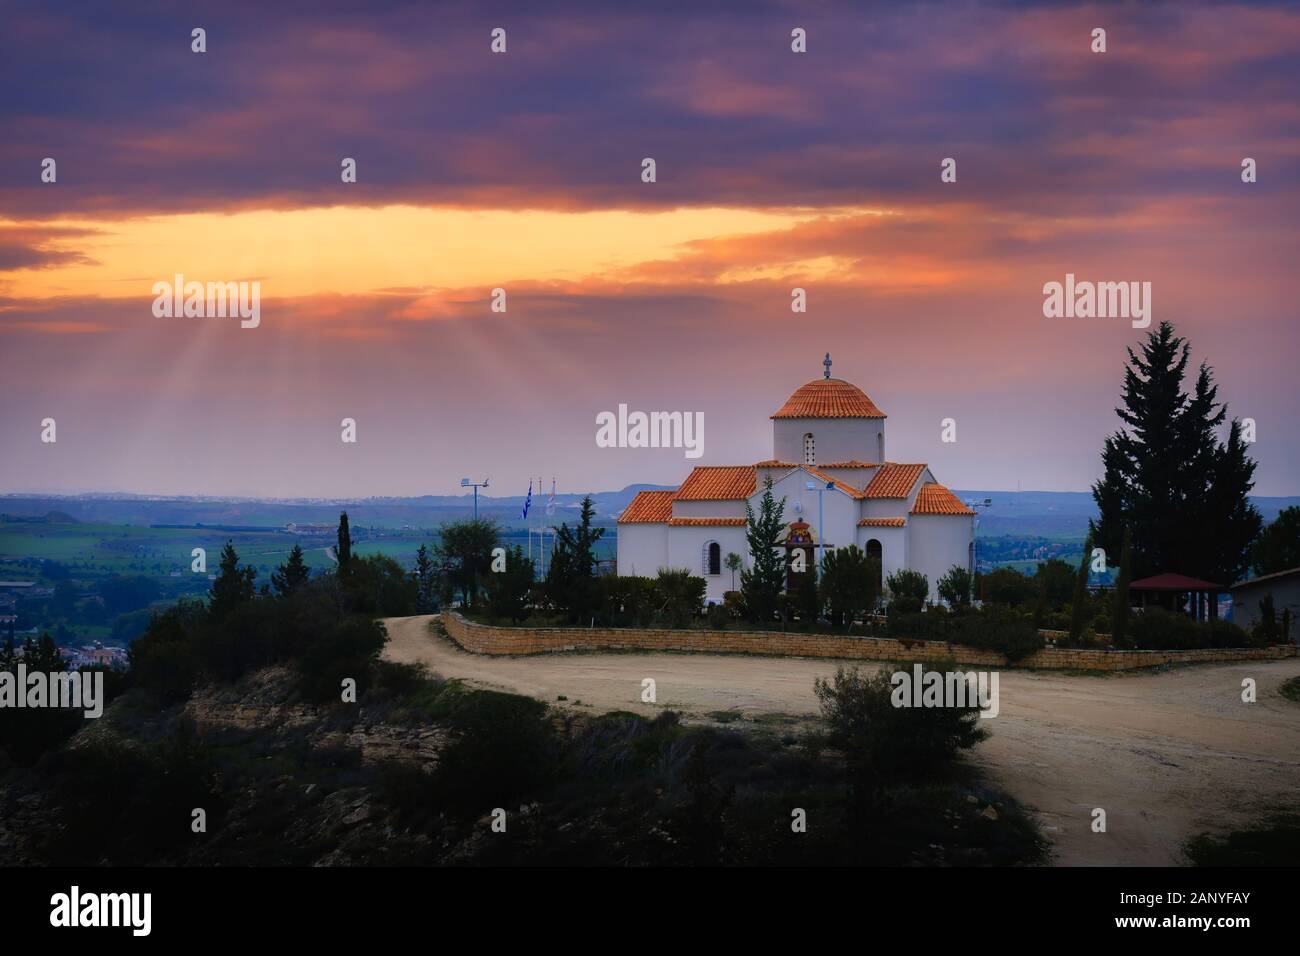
(713, 558)
(809, 449)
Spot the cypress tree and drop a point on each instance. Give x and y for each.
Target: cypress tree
(1080, 597)
(345, 544)
(1119, 620)
(763, 583)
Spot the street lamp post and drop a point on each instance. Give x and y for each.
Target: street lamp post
(476, 485)
(975, 504)
(820, 488)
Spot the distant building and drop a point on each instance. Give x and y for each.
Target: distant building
(1282, 586)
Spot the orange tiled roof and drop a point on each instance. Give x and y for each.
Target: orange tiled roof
(829, 398)
(718, 483)
(882, 522)
(850, 464)
(935, 499)
(842, 486)
(648, 507)
(894, 481)
(707, 522)
(776, 464)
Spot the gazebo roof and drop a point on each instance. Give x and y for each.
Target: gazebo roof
(1173, 582)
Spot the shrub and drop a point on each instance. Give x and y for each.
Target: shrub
(1054, 582)
(998, 629)
(849, 583)
(908, 591)
(885, 740)
(346, 650)
(955, 586)
(502, 749)
(718, 617)
(1006, 586)
(508, 590)
(127, 805)
(990, 628)
(679, 596)
(1161, 630)
(627, 601)
(163, 659)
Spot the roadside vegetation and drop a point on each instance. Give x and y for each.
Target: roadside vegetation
(1273, 841)
(270, 711)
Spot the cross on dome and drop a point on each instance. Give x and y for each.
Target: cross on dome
(827, 363)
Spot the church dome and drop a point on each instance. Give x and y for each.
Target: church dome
(829, 398)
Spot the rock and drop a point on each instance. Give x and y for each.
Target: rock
(988, 813)
(971, 798)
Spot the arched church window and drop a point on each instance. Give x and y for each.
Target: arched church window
(880, 448)
(809, 449)
(713, 558)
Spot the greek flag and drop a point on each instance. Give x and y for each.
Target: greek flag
(550, 502)
(528, 502)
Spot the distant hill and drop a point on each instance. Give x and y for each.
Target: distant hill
(1061, 515)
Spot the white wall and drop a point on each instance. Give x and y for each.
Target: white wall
(642, 549)
(1286, 594)
(837, 439)
(686, 550)
(937, 542)
(893, 547)
(709, 509)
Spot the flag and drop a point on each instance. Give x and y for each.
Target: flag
(550, 501)
(528, 502)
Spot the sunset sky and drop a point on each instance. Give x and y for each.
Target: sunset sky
(522, 171)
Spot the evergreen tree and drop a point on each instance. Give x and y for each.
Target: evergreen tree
(1119, 620)
(762, 584)
(570, 580)
(807, 600)
(1278, 547)
(426, 582)
(1079, 600)
(1168, 479)
(508, 589)
(345, 544)
(233, 586)
(291, 575)
(849, 584)
(43, 655)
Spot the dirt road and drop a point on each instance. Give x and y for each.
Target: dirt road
(1165, 754)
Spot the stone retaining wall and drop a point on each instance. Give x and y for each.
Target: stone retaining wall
(485, 639)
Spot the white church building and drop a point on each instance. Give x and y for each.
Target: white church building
(828, 443)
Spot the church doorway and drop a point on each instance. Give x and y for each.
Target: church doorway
(799, 559)
(876, 550)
